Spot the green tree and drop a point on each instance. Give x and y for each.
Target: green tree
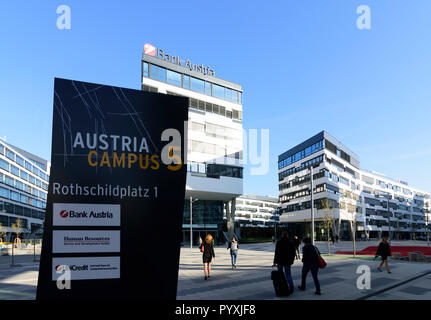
(327, 219)
(349, 204)
(3, 232)
(17, 228)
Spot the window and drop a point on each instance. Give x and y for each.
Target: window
(145, 69)
(218, 91)
(235, 114)
(10, 154)
(158, 73)
(9, 181)
(1, 149)
(197, 85)
(19, 185)
(14, 170)
(173, 78)
(32, 180)
(4, 165)
(5, 193)
(228, 94)
(208, 88)
(234, 96)
(24, 175)
(28, 166)
(19, 160)
(186, 81)
(222, 111)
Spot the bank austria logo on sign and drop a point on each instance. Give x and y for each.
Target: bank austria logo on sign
(82, 214)
(150, 50)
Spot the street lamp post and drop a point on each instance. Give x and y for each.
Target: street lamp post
(191, 222)
(312, 206)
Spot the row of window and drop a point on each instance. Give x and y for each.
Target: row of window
(18, 197)
(203, 105)
(11, 208)
(215, 170)
(23, 163)
(22, 186)
(215, 108)
(301, 154)
(305, 165)
(22, 174)
(217, 131)
(188, 82)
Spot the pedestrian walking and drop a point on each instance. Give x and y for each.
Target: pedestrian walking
(284, 257)
(310, 263)
(296, 243)
(336, 238)
(233, 246)
(207, 249)
(384, 250)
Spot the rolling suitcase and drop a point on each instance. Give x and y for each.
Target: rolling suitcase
(280, 284)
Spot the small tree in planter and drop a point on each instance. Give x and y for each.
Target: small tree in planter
(328, 219)
(17, 228)
(3, 232)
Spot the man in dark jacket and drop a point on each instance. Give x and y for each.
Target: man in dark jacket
(284, 257)
(309, 259)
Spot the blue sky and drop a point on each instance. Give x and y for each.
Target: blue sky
(303, 64)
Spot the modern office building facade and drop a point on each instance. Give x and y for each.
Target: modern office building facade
(23, 192)
(345, 193)
(256, 211)
(214, 138)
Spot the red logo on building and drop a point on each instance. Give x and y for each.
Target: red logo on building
(149, 49)
(64, 213)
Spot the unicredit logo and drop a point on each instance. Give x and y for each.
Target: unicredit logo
(64, 213)
(149, 49)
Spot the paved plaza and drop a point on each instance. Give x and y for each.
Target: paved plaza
(251, 280)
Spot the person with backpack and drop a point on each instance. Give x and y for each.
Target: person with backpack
(310, 256)
(284, 257)
(207, 249)
(233, 246)
(384, 250)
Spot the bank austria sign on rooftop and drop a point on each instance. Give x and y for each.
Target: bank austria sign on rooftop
(186, 63)
(117, 182)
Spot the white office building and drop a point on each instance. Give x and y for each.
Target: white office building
(214, 169)
(345, 192)
(256, 211)
(23, 192)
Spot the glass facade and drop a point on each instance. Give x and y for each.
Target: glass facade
(206, 213)
(185, 81)
(301, 154)
(21, 198)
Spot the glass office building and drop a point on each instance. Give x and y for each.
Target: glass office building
(23, 191)
(345, 192)
(214, 142)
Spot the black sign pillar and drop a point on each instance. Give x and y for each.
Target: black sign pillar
(116, 194)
